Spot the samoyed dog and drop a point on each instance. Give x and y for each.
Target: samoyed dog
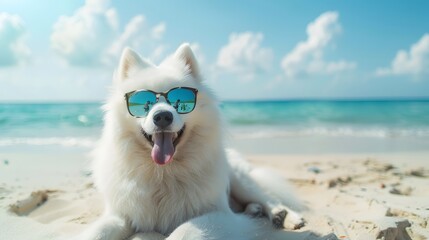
(162, 168)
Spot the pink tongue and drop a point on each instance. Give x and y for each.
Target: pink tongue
(163, 149)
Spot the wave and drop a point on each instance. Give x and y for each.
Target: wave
(250, 133)
(261, 132)
(86, 142)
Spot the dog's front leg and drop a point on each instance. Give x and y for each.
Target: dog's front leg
(108, 227)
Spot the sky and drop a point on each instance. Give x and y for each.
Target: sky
(247, 49)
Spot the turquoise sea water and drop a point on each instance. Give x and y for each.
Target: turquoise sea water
(333, 118)
(79, 124)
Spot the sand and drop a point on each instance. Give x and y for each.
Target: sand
(361, 196)
(349, 196)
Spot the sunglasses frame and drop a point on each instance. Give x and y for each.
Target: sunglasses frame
(157, 95)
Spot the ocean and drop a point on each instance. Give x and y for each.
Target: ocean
(79, 124)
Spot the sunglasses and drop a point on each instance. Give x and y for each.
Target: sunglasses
(139, 102)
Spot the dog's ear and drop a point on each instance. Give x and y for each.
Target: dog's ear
(184, 52)
(129, 60)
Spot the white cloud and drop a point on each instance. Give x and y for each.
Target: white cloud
(159, 30)
(415, 62)
(244, 56)
(13, 50)
(112, 18)
(92, 35)
(158, 53)
(98, 5)
(130, 33)
(307, 56)
(82, 38)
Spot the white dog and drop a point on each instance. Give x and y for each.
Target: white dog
(162, 168)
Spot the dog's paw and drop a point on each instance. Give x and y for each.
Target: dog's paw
(254, 210)
(282, 218)
(278, 218)
(293, 221)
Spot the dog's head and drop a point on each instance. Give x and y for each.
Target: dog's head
(165, 109)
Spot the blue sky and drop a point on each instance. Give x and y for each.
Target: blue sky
(67, 50)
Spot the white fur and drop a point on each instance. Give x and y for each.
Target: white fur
(187, 198)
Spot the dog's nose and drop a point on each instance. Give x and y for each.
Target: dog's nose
(163, 118)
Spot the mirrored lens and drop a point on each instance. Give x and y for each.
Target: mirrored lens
(182, 99)
(140, 103)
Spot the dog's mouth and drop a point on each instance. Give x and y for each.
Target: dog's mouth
(163, 144)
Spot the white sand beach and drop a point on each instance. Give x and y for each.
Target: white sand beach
(354, 196)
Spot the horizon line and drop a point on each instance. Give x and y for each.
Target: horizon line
(402, 98)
